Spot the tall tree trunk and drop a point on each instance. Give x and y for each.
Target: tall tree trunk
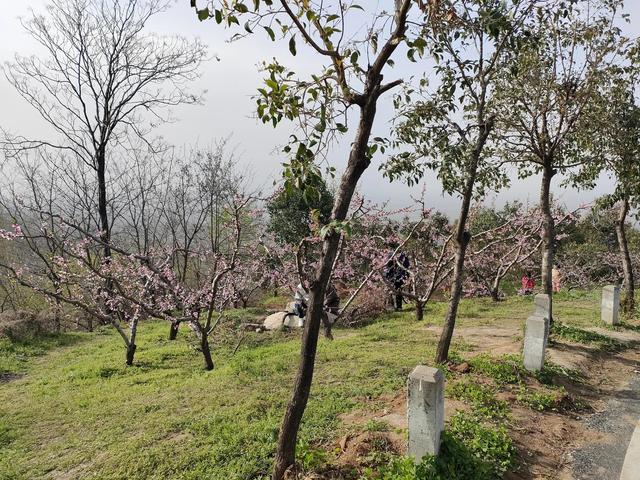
(462, 241)
(495, 290)
(131, 346)
(419, 310)
(628, 302)
(548, 234)
(105, 234)
(206, 351)
(495, 286)
(173, 330)
(462, 238)
(57, 310)
(131, 351)
(358, 163)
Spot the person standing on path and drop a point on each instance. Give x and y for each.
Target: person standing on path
(396, 272)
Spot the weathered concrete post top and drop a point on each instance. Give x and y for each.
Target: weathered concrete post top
(610, 304)
(425, 411)
(535, 342)
(542, 308)
(541, 305)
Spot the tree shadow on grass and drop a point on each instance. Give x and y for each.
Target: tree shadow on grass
(16, 353)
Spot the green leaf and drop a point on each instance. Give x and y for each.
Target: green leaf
(271, 34)
(241, 7)
(272, 84)
(203, 14)
(292, 45)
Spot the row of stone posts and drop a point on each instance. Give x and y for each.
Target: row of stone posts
(536, 335)
(425, 386)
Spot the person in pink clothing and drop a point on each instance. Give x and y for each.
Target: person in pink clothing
(556, 279)
(528, 284)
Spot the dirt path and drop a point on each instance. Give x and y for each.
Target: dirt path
(603, 459)
(9, 377)
(582, 445)
(614, 423)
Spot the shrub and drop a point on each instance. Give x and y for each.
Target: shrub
(539, 401)
(21, 325)
(504, 369)
(470, 450)
(578, 335)
(370, 303)
(482, 398)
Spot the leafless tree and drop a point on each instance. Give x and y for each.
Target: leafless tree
(102, 80)
(145, 280)
(38, 189)
(202, 184)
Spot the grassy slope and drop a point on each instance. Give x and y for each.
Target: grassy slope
(80, 410)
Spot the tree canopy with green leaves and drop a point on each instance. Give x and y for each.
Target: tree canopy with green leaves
(352, 48)
(618, 123)
(447, 125)
(291, 214)
(549, 98)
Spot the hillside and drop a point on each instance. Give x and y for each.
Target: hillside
(71, 409)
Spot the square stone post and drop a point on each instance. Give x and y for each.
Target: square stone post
(535, 342)
(541, 305)
(542, 308)
(425, 411)
(610, 305)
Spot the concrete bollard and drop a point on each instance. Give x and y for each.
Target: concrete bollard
(541, 305)
(610, 305)
(535, 342)
(425, 411)
(542, 309)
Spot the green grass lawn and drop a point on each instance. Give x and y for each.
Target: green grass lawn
(79, 411)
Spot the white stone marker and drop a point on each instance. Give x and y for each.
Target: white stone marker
(610, 304)
(542, 309)
(425, 411)
(535, 342)
(541, 305)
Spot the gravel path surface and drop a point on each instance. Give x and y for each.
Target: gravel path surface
(603, 460)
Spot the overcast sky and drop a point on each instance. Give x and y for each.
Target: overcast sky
(230, 82)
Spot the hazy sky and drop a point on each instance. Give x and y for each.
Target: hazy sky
(230, 82)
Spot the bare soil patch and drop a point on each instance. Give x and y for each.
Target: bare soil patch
(544, 440)
(10, 377)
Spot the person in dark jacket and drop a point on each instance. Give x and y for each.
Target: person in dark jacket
(396, 272)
